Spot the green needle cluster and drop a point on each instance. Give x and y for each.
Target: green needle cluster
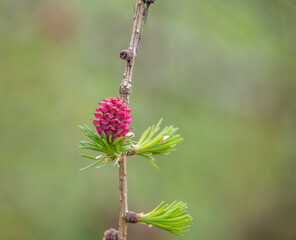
(110, 149)
(152, 142)
(170, 217)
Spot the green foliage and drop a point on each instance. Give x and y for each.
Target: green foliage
(170, 217)
(110, 150)
(153, 143)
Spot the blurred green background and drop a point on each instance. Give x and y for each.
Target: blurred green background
(222, 71)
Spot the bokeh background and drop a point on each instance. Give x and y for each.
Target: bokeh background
(222, 71)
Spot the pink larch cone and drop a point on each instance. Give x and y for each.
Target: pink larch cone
(112, 118)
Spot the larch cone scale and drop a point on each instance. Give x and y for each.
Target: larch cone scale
(112, 118)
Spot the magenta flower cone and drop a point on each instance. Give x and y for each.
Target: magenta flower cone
(112, 118)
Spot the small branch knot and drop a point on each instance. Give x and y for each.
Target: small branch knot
(149, 1)
(131, 153)
(125, 89)
(111, 234)
(126, 54)
(132, 217)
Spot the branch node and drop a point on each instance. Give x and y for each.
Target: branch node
(126, 54)
(111, 234)
(150, 1)
(125, 89)
(132, 217)
(132, 153)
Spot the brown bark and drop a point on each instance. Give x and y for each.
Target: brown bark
(141, 10)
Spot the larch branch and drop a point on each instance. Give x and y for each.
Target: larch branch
(140, 15)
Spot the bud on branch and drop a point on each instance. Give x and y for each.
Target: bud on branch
(126, 54)
(111, 234)
(132, 217)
